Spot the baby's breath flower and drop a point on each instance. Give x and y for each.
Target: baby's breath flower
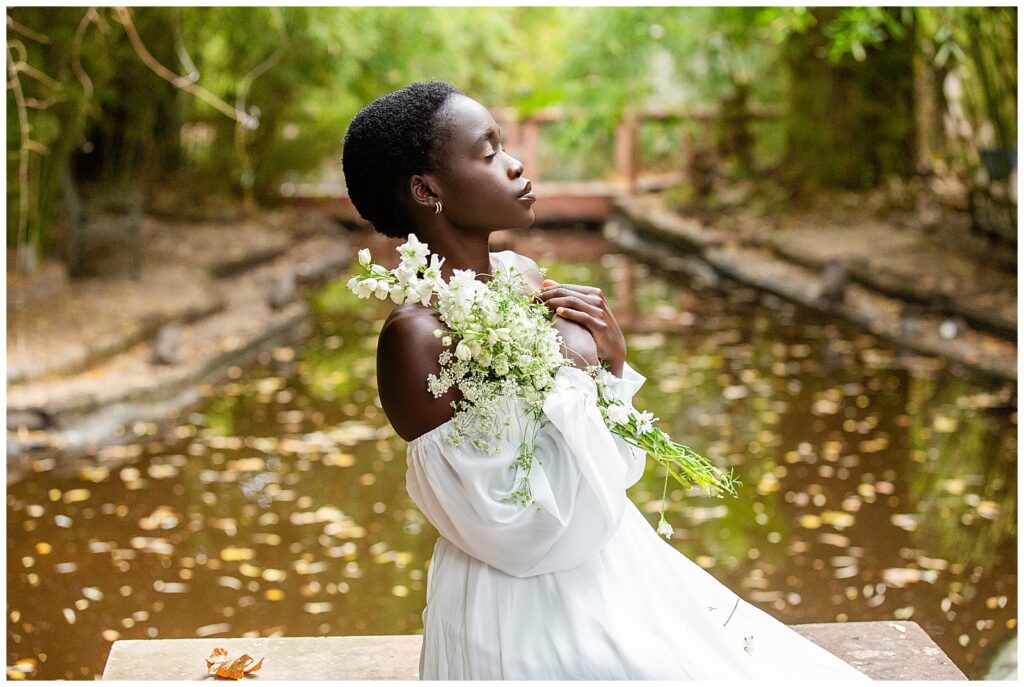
(665, 529)
(507, 350)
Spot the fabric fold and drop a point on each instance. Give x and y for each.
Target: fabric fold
(578, 481)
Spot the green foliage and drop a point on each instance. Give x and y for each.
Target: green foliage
(305, 71)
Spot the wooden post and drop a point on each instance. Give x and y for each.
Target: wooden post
(530, 132)
(626, 150)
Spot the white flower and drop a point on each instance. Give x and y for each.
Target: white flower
(415, 251)
(405, 273)
(364, 257)
(433, 272)
(382, 290)
(645, 422)
(364, 288)
(446, 341)
(617, 413)
(398, 294)
(438, 333)
(462, 351)
(423, 291)
(665, 529)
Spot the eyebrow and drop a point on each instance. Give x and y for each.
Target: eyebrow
(487, 135)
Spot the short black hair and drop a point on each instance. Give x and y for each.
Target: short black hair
(389, 140)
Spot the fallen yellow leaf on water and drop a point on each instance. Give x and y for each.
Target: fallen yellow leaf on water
(231, 668)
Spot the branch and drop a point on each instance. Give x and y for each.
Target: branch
(76, 53)
(37, 104)
(244, 84)
(183, 56)
(125, 18)
(25, 31)
(21, 64)
(23, 147)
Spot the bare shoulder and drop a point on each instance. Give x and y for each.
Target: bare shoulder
(527, 266)
(407, 352)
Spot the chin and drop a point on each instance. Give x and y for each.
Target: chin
(528, 221)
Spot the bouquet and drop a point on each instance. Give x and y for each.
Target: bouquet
(508, 350)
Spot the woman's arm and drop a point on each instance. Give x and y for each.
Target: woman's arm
(407, 352)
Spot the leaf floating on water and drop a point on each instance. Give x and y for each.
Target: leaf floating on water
(837, 519)
(988, 509)
(22, 669)
(237, 553)
(809, 521)
(900, 577)
(215, 629)
(905, 521)
(339, 460)
(76, 495)
(232, 669)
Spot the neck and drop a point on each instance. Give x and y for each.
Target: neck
(461, 252)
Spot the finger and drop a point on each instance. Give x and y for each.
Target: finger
(592, 290)
(562, 292)
(574, 303)
(580, 317)
(550, 282)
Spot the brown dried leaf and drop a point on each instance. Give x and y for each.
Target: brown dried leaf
(232, 669)
(218, 655)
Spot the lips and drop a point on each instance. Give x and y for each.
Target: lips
(527, 193)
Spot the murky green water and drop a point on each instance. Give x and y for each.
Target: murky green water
(876, 486)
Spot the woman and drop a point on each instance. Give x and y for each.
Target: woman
(580, 587)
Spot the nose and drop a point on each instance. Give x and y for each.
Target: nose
(515, 168)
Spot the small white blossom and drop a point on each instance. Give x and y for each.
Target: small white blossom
(665, 529)
(364, 257)
(413, 250)
(462, 351)
(645, 422)
(397, 293)
(617, 413)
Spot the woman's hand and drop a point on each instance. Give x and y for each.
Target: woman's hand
(587, 306)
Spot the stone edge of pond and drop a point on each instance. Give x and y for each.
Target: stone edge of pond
(883, 650)
(643, 227)
(91, 409)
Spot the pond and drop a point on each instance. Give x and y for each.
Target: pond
(876, 485)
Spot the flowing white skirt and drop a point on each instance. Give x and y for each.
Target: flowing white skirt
(639, 610)
(578, 586)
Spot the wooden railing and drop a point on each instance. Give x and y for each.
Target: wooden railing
(522, 134)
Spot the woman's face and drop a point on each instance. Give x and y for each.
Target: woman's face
(481, 187)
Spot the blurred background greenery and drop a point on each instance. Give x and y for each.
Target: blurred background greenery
(253, 97)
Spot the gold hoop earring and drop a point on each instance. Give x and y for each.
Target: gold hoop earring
(437, 207)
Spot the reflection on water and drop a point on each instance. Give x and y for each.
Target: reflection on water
(876, 486)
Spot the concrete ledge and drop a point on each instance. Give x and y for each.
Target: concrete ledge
(883, 650)
(639, 226)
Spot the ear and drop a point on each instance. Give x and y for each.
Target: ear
(423, 190)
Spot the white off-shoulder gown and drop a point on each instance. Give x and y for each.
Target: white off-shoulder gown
(579, 585)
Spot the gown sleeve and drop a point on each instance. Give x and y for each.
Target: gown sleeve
(578, 478)
(624, 389)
